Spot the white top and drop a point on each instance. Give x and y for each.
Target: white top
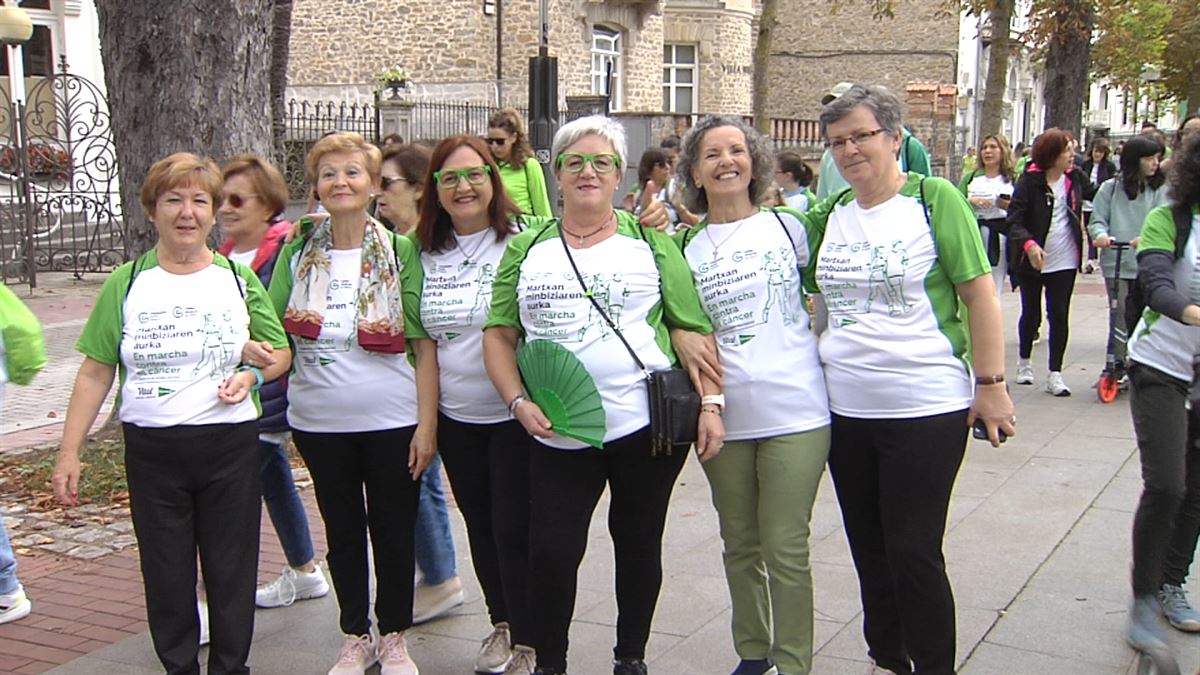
(245, 257)
(991, 188)
(798, 200)
(1061, 251)
(1160, 341)
(183, 336)
(338, 387)
(750, 286)
(454, 307)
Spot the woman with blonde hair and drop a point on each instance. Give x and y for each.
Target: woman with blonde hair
(988, 189)
(519, 169)
(349, 297)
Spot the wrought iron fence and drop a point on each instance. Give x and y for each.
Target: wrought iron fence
(308, 121)
(60, 209)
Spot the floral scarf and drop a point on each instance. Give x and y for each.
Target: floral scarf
(380, 315)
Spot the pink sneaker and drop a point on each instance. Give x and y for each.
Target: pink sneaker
(358, 654)
(393, 656)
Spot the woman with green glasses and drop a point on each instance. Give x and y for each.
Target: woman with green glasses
(637, 280)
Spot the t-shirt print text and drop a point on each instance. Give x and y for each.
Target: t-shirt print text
(844, 268)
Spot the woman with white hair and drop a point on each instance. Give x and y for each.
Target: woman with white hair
(637, 279)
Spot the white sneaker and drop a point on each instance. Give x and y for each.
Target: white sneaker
(291, 586)
(496, 651)
(1055, 384)
(393, 656)
(15, 605)
(430, 601)
(524, 661)
(1024, 372)
(358, 653)
(202, 610)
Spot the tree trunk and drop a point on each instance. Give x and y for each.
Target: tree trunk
(1067, 61)
(762, 64)
(992, 114)
(281, 35)
(183, 76)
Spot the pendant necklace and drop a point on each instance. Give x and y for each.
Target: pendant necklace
(715, 245)
(581, 238)
(470, 257)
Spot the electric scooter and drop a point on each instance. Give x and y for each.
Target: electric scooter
(1110, 383)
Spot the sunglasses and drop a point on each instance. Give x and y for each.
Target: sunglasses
(495, 141)
(386, 182)
(448, 179)
(238, 201)
(602, 162)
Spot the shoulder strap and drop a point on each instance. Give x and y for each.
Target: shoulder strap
(237, 280)
(1183, 228)
(925, 210)
(587, 293)
(788, 235)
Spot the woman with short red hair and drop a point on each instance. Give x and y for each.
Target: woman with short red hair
(1045, 221)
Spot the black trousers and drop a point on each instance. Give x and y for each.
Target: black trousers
(488, 467)
(197, 488)
(341, 464)
(893, 479)
(567, 486)
(1058, 287)
(1167, 520)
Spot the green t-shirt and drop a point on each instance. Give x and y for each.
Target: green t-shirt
(640, 279)
(526, 185)
(175, 337)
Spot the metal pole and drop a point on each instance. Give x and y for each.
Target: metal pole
(543, 102)
(499, 53)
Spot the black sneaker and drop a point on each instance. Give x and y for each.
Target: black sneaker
(629, 667)
(543, 670)
(755, 667)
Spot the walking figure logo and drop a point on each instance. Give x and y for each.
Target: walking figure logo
(886, 280)
(775, 266)
(483, 296)
(217, 347)
(602, 290)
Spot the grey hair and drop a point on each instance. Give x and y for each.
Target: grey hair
(762, 162)
(874, 97)
(604, 127)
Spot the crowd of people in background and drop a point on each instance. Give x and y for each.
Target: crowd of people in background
(383, 332)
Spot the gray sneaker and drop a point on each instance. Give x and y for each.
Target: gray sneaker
(524, 661)
(1145, 632)
(496, 650)
(1177, 609)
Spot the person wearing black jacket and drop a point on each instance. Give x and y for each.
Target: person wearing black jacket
(1098, 167)
(1046, 248)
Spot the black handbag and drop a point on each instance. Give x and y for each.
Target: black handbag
(674, 403)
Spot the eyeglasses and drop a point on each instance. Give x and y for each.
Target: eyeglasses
(238, 201)
(839, 144)
(387, 182)
(495, 141)
(602, 162)
(448, 179)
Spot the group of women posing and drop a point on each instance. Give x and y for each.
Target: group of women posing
(351, 305)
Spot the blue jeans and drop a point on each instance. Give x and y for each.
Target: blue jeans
(284, 505)
(434, 542)
(8, 563)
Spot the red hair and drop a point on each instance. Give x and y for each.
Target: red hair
(1048, 146)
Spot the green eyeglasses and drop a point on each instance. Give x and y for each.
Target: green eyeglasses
(448, 179)
(602, 162)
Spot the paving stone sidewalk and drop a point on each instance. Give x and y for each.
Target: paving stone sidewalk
(1037, 548)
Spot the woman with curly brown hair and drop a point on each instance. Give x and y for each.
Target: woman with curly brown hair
(519, 169)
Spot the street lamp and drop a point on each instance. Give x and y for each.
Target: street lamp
(15, 30)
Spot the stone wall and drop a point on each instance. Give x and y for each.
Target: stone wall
(724, 34)
(814, 49)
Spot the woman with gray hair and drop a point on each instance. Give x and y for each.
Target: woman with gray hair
(600, 286)
(900, 255)
(749, 266)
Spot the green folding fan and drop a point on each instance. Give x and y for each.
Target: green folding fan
(560, 385)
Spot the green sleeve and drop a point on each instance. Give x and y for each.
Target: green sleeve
(917, 157)
(681, 301)
(1101, 209)
(1158, 232)
(101, 336)
(812, 240)
(504, 310)
(956, 232)
(282, 278)
(412, 283)
(815, 220)
(965, 183)
(264, 323)
(535, 183)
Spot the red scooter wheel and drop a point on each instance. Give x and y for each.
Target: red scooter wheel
(1107, 388)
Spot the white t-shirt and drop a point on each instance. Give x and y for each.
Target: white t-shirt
(750, 286)
(334, 376)
(183, 336)
(1061, 251)
(245, 257)
(798, 200)
(896, 346)
(991, 188)
(454, 307)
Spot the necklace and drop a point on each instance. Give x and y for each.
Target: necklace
(470, 257)
(715, 245)
(581, 238)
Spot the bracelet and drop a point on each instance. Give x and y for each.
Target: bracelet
(711, 411)
(989, 379)
(715, 399)
(258, 376)
(516, 401)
